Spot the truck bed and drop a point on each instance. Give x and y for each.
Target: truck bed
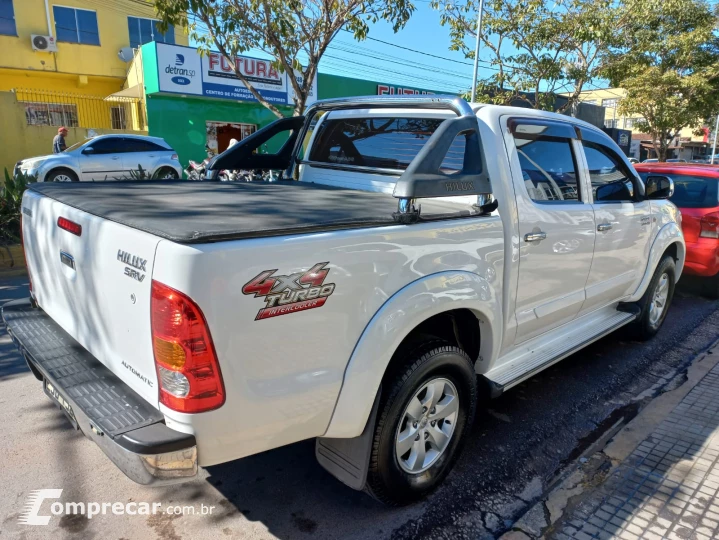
(201, 212)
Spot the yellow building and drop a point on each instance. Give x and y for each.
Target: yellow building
(61, 61)
(688, 146)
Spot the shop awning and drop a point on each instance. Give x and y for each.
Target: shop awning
(134, 92)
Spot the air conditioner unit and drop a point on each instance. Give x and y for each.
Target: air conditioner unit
(43, 43)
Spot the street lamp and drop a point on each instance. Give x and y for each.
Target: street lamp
(476, 51)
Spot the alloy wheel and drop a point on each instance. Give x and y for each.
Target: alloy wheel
(427, 425)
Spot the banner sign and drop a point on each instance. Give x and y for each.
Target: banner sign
(181, 70)
(389, 90)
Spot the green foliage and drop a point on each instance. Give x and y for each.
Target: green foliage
(667, 61)
(537, 49)
(287, 30)
(134, 174)
(10, 206)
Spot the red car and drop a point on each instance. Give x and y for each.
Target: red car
(696, 193)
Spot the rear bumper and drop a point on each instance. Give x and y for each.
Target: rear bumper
(702, 258)
(129, 430)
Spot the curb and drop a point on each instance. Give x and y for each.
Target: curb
(607, 453)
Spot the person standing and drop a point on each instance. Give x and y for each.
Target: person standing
(58, 143)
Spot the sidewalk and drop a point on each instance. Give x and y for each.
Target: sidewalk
(667, 487)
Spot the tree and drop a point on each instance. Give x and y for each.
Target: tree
(293, 32)
(536, 48)
(667, 62)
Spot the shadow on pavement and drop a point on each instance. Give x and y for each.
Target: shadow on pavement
(11, 363)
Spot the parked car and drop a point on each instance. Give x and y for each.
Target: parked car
(696, 193)
(181, 324)
(651, 160)
(676, 160)
(106, 157)
(633, 160)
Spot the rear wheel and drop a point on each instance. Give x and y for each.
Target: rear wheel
(61, 175)
(167, 173)
(423, 419)
(655, 303)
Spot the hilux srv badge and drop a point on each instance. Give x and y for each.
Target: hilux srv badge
(138, 265)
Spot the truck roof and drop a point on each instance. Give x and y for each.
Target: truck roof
(202, 212)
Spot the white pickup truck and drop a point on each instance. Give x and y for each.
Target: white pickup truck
(421, 254)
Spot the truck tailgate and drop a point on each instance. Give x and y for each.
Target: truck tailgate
(95, 285)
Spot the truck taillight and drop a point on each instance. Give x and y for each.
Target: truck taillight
(710, 226)
(187, 368)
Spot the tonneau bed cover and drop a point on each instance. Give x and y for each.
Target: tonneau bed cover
(201, 212)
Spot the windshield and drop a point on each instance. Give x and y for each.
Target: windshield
(693, 191)
(76, 145)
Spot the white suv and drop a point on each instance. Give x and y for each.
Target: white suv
(106, 157)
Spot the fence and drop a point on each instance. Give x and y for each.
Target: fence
(49, 108)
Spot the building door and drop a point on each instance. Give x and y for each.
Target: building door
(219, 134)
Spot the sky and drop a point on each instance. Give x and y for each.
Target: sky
(386, 56)
(387, 62)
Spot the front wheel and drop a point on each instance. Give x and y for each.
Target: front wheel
(61, 175)
(423, 419)
(655, 303)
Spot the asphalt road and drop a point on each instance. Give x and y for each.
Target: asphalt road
(516, 447)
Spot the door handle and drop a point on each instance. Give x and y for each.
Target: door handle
(535, 236)
(603, 227)
(115, 157)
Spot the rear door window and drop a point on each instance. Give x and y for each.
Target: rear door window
(380, 143)
(108, 145)
(140, 145)
(692, 191)
(549, 167)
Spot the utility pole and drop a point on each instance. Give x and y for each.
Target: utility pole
(476, 50)
(714, 148)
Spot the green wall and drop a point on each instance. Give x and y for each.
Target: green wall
(181, 120)
(149, 67)
(333, 86)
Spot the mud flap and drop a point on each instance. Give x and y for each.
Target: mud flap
(348, 459)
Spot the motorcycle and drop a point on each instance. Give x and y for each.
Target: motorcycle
(196, 171)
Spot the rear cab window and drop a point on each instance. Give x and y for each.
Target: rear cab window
(370, 153)
(389, 143)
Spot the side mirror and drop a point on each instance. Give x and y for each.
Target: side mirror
(659, 187)
(88, 150)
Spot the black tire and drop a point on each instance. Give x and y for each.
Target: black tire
(643, 328)
(386, 480)
(166, 173)
(710, 287)
(59, 173)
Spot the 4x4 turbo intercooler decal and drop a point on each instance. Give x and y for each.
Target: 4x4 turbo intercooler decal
(290, 294)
